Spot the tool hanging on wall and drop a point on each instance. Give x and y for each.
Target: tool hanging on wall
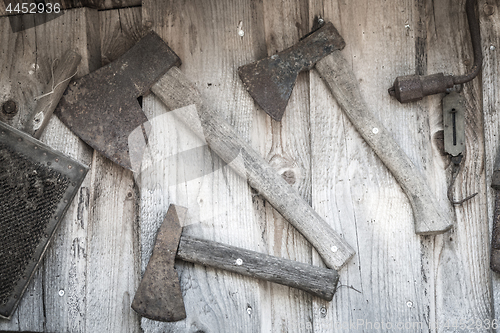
(414, 87)
(108, 96)
(454, 137)
(275, 74)
(159, 295)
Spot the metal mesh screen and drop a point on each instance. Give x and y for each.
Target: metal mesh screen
(29, 195)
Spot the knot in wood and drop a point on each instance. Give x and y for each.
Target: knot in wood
(289, 176)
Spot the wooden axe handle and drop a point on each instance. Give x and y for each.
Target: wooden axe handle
(429, 217)
(53, 91)
(176, 91)
(318, 281)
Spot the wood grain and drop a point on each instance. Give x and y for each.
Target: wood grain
(414, 127)
(120, 30)
(318, 281)
(90, 271)
(69, 4)
(204, 34)
(429, 218)
(286, 145)
(465, 250)
(431, 280)
(47, 102)
(489, 12)
(28, 61)
(350, 183)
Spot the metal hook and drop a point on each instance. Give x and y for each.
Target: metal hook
(457, 166)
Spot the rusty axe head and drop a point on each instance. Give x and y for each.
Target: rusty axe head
(102, 108)
(159, 296)
(270, 81)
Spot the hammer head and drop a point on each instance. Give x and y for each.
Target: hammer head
(102, 107)
(270, 81)
(159, 296)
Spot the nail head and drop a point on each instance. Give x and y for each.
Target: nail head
(9, 107)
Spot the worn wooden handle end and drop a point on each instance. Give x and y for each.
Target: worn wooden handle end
(318, 281)
(52, 93)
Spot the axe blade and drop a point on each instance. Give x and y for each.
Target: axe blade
(102, 108)
(270, 81)
(159, 296)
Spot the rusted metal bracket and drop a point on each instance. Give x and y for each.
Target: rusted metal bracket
(454, 137)
(454, 123)
(414, 87)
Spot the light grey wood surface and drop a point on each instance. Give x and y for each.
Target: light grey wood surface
(90, 272)
(433, 283)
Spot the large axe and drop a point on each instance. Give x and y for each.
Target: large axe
(270, 82)
(102, 109)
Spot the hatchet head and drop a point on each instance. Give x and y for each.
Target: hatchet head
(270, 81)
(102, 107)
(159, 296)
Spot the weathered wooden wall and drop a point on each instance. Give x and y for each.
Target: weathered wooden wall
(439, 282)
(93, 262)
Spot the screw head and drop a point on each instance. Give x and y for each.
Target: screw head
(489, 10)
(323, 311)
(9, 107)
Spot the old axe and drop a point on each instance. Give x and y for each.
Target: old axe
(106, 100)
(159, 296)
(429, 217)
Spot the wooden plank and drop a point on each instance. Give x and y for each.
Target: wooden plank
(350, 185)
(419, 292)
(115, 238)
(286, 146)
(28, 58)
(120, 29)
(205, 35)
(69, 4)
(490, 40)
(91, 271)
(462, 271)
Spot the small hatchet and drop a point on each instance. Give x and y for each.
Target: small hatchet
(159, 296)
(276, 75)
(102, 109)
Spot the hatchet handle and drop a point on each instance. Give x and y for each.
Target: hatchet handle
(429, 217)
(318, 281)
(176, 91)
(52, 92)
